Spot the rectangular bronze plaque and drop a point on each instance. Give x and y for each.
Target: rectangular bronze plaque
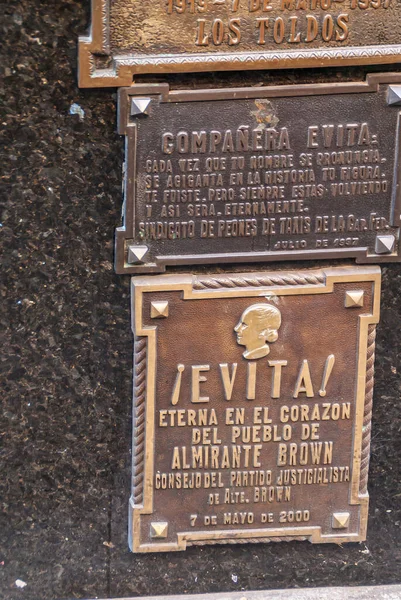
(252, 407)
(168, 36)
(248, 174)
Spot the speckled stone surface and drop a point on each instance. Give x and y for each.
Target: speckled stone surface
(66, 353)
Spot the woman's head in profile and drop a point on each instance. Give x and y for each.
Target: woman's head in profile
(258, 326)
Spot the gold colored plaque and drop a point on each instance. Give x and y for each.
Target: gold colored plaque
(252, 406)
(129, 37)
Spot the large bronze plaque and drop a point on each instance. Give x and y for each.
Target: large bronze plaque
(288, 172)
(252, 407)
(166, 36)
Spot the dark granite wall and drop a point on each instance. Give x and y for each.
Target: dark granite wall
(66, 353)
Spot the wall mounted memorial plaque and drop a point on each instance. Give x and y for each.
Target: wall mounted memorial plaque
(252, 406)
(288, 172)
(168, 36)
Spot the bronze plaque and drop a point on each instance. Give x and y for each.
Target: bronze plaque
(251, 174)
(168, 36)
(252, 407)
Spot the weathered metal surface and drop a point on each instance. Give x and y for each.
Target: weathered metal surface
(130, 36)
(374, 592)
(252, 407)
(287, 172)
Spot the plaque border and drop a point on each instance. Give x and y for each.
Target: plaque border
(120, 70)
(127, 126)
(281, 283)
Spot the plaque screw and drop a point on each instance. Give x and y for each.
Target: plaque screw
(136, 254)
(340, 520)
(384, 244)
(139, 106)
(354, 298)
(394, 95)
(158, 310)
(159, 530)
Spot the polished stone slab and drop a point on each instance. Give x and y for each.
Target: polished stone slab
(382, 592)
